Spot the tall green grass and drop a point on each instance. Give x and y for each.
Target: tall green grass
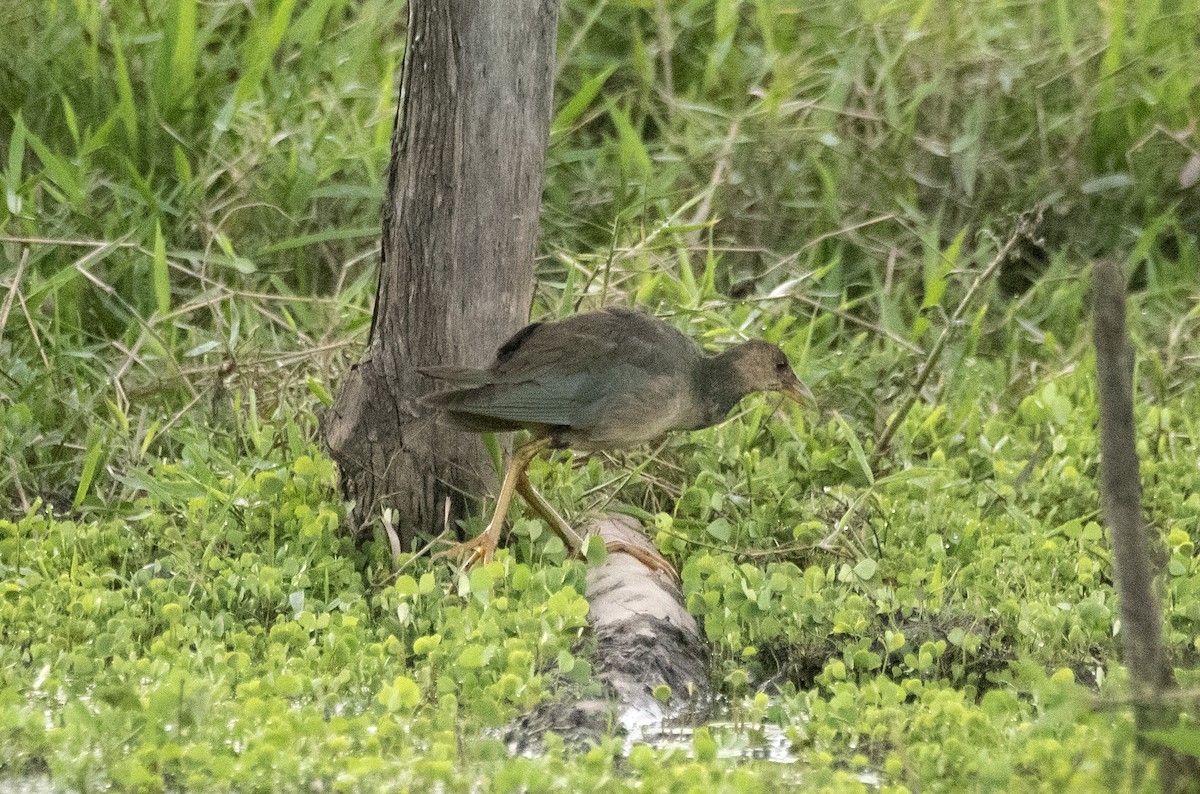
(192, 190)
(862, 125)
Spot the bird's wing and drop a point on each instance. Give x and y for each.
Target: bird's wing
(563, 373)
(459, 376)
(592, 342)
(535, 401)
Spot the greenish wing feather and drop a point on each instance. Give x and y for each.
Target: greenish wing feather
(543, 401)
(460, 376)
(595, 342)
(568, 392)
(562, 373)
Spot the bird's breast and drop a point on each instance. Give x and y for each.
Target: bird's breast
(625, 417)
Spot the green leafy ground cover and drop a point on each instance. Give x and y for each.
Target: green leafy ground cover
(187, 247)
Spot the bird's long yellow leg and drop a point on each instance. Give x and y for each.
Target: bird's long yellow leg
(574, 542)
(569, 536)
(483, 548)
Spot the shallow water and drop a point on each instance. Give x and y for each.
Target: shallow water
(33, 784)
(739, 742)
(736, 741)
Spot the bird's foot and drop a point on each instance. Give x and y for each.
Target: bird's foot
(477, 550)
(652, 560)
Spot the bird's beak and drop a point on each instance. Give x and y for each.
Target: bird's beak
(799, 393)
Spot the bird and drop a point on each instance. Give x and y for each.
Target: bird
(603, 380)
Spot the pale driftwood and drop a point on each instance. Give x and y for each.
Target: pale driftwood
(459, 228)
(644, 638)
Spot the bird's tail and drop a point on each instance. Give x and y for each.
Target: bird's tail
(458, 376)
(461, 380)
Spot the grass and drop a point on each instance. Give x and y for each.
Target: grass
(911, 584)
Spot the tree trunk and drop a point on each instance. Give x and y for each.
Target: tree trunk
(1150, 670)
(459, 228)
(1141, 616)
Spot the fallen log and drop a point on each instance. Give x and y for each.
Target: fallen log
(645, 638)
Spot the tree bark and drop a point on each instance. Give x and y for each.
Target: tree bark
(456, 273)
(1150, 670)
(1141, 616)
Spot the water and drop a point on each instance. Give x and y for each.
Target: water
(736, 741)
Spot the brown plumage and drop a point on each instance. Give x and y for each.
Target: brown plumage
(608, 379)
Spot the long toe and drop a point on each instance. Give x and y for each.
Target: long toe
(652, 560)
(469, 552)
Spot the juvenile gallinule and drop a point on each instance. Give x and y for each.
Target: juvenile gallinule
(603, 380)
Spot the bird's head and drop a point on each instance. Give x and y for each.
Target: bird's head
(762, 366)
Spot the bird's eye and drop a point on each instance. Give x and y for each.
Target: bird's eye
(781, 366)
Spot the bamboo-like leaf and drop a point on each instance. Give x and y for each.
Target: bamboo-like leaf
(647, 287)
(570, 284)
(491, 442)
(304, 240)
(16, 160)
(66, 275)
(185, 54)
(1065, 24)
(306, 30)
(856, 449)
(634, 156)
(72, 121)
(151, 433)
(937, 272)
(1108, 142)
(60, 171)
(183, 167)
(318, 390)
(580, 102)
(596, 551)
(161, 274)
(687, 279)
(766, 15)
(279, 23)
(383, 102)
(725, 25)
(265, 38)
(90, 461)
(126, 107)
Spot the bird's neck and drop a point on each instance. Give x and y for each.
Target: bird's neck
(718, 387)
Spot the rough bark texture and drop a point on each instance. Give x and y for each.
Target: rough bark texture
(1141, 616)
(459, 229)
(1150, 670)
(644, 637)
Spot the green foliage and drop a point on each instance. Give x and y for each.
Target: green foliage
(843, 134)
(236, 601)
(187, 246)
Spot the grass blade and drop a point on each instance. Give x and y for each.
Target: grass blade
(856, 448)
(126, 108)
(16, 160)
(59, 170)
(184, 55)
(580, 102)
(634, 157)
(161, 274)
(90, 461)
